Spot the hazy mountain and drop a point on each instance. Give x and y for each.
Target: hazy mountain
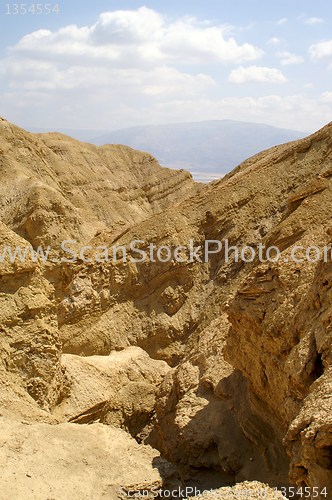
(204, 147)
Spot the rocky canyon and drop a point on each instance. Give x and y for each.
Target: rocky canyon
(126, 378)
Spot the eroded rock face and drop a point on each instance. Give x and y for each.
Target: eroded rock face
(309, 437)
(118, 390)
(55, 188)
(30, 342)
(281, 323)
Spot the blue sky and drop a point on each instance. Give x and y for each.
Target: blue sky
(114, 64)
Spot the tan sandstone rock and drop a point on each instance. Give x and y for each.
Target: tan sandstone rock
(76, 462)
(119, 389)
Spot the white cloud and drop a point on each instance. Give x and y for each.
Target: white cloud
(287, 58)
(256, 74)
(103, 110)
(321, 50)
(327, 97)
(169, 82)
(133, 37)
(313, 20)
(160, 81)
(274, 41)
(298, 112)
(127, 27)
(282, 21)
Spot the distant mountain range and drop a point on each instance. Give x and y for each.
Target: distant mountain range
(208, 149)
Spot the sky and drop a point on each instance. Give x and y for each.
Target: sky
(106, 65)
